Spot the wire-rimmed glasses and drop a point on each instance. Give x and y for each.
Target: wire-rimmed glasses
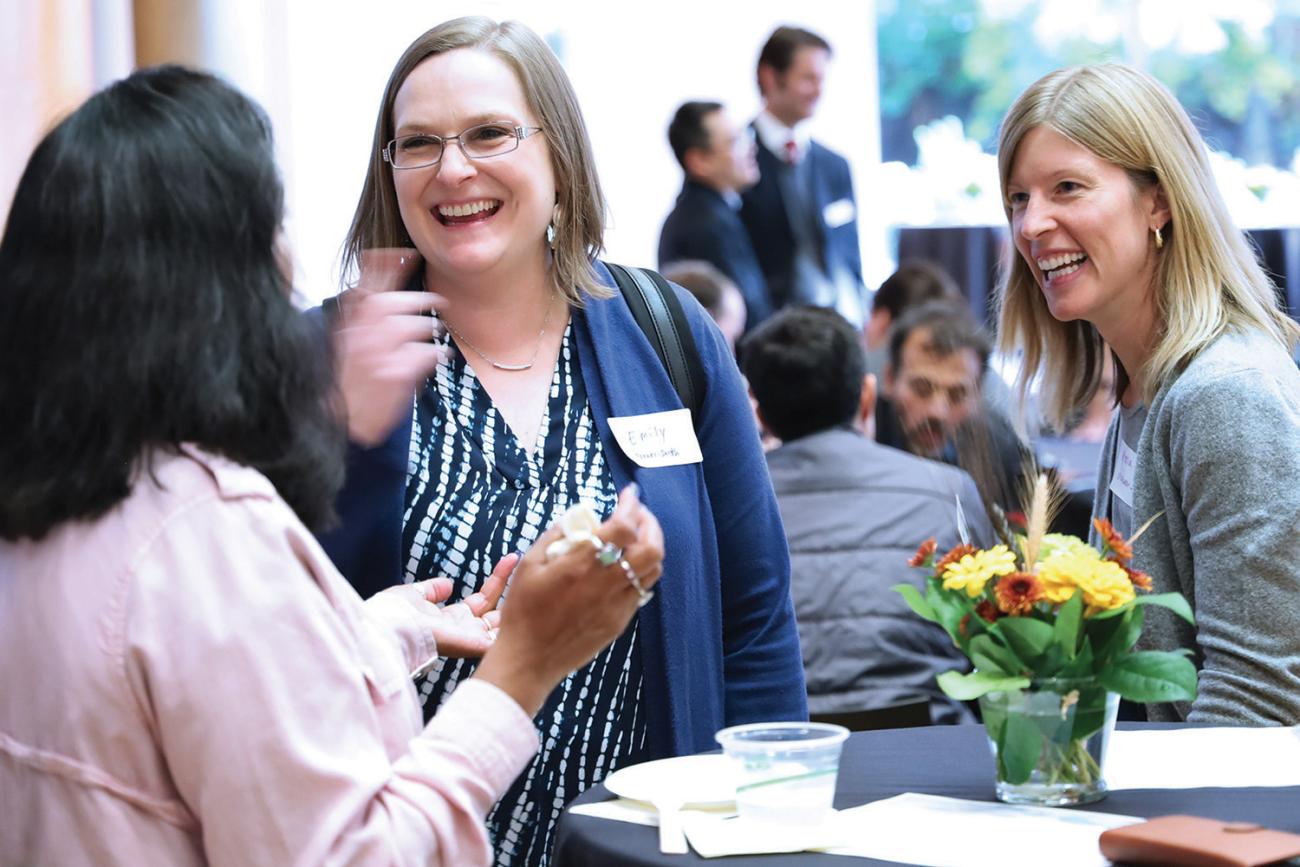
(480, 142)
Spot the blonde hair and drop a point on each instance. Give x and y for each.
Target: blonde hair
(580, 208)
(1207, 278)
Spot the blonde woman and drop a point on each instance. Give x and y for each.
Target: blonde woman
(1125, 246)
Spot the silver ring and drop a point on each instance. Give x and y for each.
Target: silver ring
(642, 595)
(608, 554)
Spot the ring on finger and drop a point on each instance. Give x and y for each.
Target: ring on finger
(642, 595)
(608, 554)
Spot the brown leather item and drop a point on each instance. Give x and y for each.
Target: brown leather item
(1193, 841)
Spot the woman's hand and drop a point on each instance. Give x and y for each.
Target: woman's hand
(383, 347)
(563, 611)
(468, 628)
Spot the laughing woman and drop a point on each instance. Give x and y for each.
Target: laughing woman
(1125, 245)
(481, 202)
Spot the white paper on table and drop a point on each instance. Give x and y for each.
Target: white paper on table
(716, 836)
(950, 832)
(1195, 758)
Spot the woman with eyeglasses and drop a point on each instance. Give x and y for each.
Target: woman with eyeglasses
(481, 205)
(187, 679)
(1125, 247)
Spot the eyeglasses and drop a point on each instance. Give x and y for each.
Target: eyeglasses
(476, 143)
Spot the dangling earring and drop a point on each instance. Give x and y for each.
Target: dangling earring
(550, 227)
(1160, 241)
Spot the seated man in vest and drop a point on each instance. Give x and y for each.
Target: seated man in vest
(854, 512)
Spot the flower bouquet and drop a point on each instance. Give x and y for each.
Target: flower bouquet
(1049, 624)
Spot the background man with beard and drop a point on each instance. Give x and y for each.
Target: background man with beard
(931, 403)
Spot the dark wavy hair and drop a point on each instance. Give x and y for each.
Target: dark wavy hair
(143, 305)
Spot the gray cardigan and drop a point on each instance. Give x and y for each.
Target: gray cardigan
(1220, 455)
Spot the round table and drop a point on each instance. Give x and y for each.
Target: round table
(939, 760)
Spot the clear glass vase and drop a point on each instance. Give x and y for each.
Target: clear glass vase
(1049, 741)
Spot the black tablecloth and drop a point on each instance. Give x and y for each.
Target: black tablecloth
(952, 761)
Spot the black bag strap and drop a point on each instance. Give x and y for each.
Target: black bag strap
(659, 314)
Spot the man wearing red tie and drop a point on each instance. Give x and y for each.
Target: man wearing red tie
(802, 214)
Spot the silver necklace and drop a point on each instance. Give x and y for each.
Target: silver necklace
(550, 306)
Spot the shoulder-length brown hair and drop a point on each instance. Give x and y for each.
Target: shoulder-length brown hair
(1207, 278)
(580, 209)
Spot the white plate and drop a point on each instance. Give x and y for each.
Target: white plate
(699, 781)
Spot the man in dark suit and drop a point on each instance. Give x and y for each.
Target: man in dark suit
(802, 214)
(718, 159)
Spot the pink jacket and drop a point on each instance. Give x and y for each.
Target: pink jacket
(188, 680)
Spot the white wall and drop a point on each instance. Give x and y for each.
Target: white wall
(631, 67)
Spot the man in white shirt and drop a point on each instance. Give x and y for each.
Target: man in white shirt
(802, 214)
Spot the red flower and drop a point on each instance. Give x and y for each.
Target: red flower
(1017, 520)
(986, 611)
(1018, 592)
(953, 556)
(1120, 550)
(923, 553)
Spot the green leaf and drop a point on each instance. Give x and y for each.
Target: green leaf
(991, 657)
(965, 687)
(916, 602)
(948, 611)
(1067, 624)
(1114, 612)
(1081, 665)
(1123, 638)
(1020, 748)
(1028, 638)
(1151, 676)
(1175, 602)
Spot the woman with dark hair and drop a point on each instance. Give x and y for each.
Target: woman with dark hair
(482, 178)
(188, 679)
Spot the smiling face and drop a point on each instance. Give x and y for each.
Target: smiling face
(1083, 228)
(470, 218)
(729, 162)
(792, 96)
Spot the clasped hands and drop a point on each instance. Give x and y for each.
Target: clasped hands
(469, 627)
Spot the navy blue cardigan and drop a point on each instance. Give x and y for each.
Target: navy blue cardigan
(718, 642)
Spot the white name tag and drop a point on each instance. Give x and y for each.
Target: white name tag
(658, 439)
(1121, 483)
(839, 213)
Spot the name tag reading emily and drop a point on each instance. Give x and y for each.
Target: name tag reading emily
(1121, 483)
(658, 439)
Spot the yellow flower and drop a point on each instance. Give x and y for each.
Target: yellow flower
(1104, 583)
(1057, 544)
(1105, 587)
(973, 571)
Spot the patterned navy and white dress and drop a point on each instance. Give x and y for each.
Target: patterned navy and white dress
(472, 497)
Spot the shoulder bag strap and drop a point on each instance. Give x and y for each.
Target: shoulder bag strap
(659, 314)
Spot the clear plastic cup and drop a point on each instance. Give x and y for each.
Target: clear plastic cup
(787, 770)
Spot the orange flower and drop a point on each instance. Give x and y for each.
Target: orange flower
(1018, 592)
(1120, 550)
(953, 556)
(923, 553)
(1140, 579)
